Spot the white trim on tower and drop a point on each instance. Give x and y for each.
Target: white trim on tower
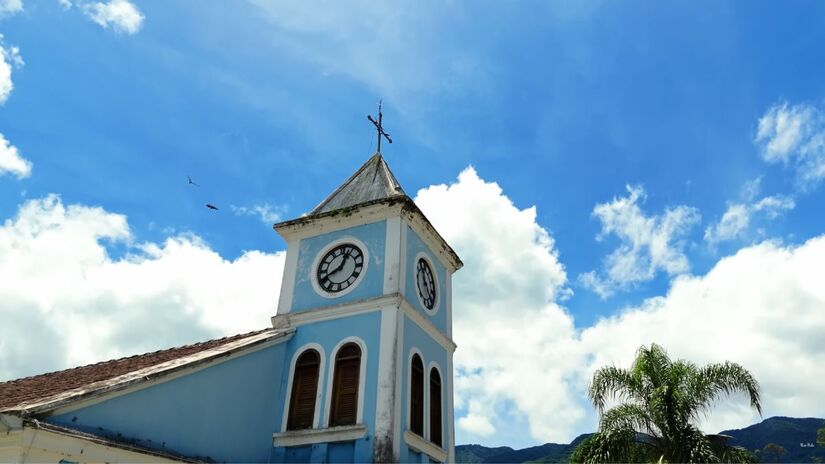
(392, 256)
(288, 277)
(402, 268)
(448, 302)
(450, 445)
(399, 376)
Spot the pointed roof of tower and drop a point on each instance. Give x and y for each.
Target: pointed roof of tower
(368, 194)
(373, 181)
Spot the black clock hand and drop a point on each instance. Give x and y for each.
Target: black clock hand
(343, 261)
(341, 266)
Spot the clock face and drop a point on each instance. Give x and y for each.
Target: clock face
(340, 267)
(426, 283)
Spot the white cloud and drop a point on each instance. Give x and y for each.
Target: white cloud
(649, 243)
(751, 189)
(734, 223)
(267, 213)
(121, 15)
(521, 360)
(10, 7)
(774, 206)
(158, 295)
(794, 134)
(66, 4)
(505, 320)
(476, 425)
(9, 58)
(763, 307)
(11, 162)
(397, 50)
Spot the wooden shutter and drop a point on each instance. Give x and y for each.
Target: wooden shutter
(304, 391)
(345, 386)
(435, 407)
(417, 396)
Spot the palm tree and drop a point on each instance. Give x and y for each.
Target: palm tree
(660, 402)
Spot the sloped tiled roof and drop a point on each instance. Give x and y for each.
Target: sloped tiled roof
(30, 390)
(373, 181)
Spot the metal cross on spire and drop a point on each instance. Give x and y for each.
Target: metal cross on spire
(379, 127)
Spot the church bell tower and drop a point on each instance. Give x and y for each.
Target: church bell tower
(367, 289)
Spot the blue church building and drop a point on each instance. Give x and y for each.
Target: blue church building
(357, 365)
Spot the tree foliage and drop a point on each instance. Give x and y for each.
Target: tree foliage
(776, 450)
(660, 401)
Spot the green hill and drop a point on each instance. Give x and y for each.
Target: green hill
(795, 435)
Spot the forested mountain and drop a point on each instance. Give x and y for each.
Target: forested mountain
(796, 435)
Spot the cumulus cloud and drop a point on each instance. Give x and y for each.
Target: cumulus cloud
(522, 362)
(649, 243)
(267, 213)
(9, 58)
(11, 162)
(763, 307)
(506, 322)
(794, 134)
(155, 296)
(10, 7)
(734, 223)
(121, 15)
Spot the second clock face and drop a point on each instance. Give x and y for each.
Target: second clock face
(425, 283)
(340, 267)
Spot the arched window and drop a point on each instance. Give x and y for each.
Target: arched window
(304, 391)
(417, 396)
(435, 407)
(345, 386)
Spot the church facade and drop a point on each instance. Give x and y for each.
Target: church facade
(356, 367)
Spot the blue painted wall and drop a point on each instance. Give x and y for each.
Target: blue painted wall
(414, 336)
(328, 334)
(374, 236)
(226, 412)
(414, 246)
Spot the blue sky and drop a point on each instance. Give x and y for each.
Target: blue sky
(650, 110)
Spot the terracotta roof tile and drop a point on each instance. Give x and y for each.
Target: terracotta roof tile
(40, 386)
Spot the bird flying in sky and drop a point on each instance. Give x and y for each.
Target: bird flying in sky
(211, 206)
(191, 182)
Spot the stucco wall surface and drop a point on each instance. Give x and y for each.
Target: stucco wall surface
(373, 235)
(226, 412)
(415, 246)
(415, 339)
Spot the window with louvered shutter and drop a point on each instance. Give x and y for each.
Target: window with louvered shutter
(435, 407)
(417, 396)
(345, 386)
(304, 391)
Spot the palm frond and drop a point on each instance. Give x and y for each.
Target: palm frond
(628, 416)
(610, 382)
(725, 378)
